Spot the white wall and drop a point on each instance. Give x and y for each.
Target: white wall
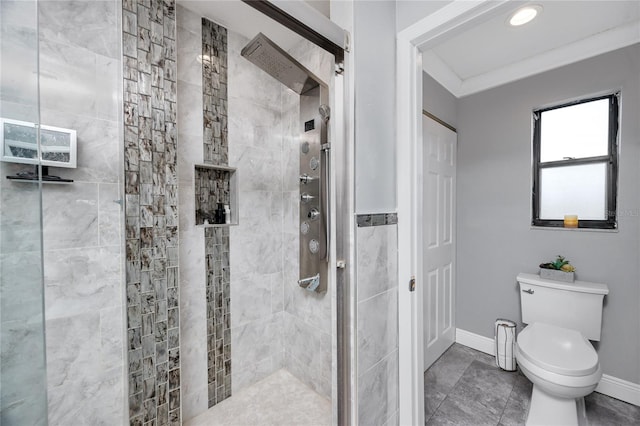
(411, 11)
(495, 240)
(374, 53)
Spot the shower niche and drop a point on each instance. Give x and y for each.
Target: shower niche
(216, 195)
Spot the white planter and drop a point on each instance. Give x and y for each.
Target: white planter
(553, 274)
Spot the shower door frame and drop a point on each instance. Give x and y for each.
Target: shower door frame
(303, 20)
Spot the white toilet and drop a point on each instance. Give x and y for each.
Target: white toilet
(554, 351)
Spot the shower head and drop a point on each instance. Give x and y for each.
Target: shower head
(325, 112)
(269, 57)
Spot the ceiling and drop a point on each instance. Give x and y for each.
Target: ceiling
(245, 20)
(491, 53)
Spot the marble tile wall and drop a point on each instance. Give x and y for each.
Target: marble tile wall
(193, 279)
(377, 333)
(307, 317)
(257, 255)
(151, 205)
(216, 152)
(23, 398)
(262, 143)
(79, 68)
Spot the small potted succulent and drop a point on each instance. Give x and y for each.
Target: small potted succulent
(559, 270)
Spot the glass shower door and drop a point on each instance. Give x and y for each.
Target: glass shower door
(22, 349)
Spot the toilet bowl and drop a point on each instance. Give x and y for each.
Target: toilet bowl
(563, 367)
(554, 351)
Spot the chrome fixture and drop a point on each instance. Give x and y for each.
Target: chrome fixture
(314, 156)
(313, 214)
(269, 57)
(305, 178)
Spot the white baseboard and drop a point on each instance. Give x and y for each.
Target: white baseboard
(475, 341)
(619, 389)
(609, 385)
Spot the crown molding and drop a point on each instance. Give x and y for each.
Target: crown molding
(595, 45)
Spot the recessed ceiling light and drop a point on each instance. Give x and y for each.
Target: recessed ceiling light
(524, 15)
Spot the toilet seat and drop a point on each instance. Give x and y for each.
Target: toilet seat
(557, 350)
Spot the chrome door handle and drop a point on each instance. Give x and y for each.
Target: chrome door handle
(530, 291)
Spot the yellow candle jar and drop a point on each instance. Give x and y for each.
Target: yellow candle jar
(570, 221)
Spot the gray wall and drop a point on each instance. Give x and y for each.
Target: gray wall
(439, 101)
(495, 240)
(374, 53)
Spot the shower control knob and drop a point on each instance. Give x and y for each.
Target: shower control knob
(305, 178)
(314, 163)
(305, 198)
(313, 214)
(304, 227)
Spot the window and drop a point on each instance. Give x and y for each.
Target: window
(575, 163)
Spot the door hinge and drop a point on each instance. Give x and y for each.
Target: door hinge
(412, 284)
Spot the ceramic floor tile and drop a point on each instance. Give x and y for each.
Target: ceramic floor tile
(464, 387)
(454, 411)
(442, 376)
(484, 386)
(280, 399)
(448, 369)
(603, 410)
(432, 400)
(515, 412)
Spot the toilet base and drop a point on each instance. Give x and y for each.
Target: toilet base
(548, 410)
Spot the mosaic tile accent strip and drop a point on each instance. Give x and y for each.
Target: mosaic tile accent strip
(379, 219)
(218, 314)
(214, 86)
(151, 211)
(216, 148)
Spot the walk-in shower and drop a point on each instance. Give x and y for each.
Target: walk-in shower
(314, 155)
(182, 265)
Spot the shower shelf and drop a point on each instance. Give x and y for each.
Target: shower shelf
(213, 185)
(34, 177)
(216, 225)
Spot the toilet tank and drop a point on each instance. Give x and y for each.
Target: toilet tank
(576, 305)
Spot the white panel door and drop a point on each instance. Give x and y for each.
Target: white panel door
(438, 239)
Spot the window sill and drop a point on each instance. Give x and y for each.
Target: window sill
(559, 228)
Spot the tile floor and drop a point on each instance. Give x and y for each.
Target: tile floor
(464, 387)
(279, 400)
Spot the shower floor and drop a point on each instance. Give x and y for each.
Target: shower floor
(280, 399)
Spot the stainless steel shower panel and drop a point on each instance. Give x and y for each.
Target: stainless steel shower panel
(269, 57)
(314, 174)
(314, 155)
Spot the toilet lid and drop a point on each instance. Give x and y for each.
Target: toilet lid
(558, 349)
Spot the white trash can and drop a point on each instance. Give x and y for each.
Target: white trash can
(505, 341)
